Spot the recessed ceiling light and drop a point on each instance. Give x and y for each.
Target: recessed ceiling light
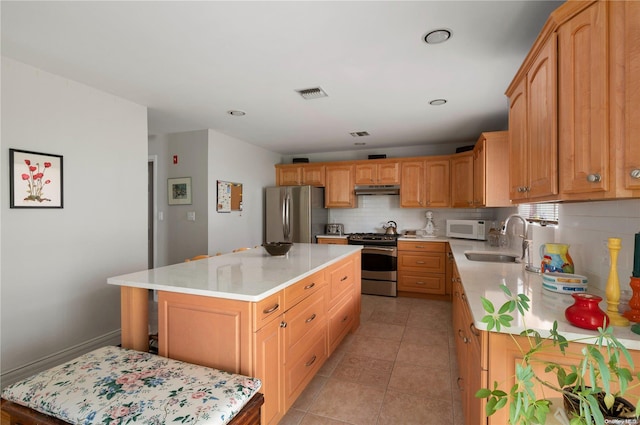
(438, 36)
(236, 113)
(438, 102)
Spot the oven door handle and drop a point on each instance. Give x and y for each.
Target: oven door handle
(373, 249)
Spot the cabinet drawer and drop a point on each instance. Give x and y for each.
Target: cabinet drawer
(303, 319)
(341, 278)
(332, 241)
(266, 310)
(421, 282)
(298, 291)
(421, 246)
(341, 319)
(423, 262)
(303, 365)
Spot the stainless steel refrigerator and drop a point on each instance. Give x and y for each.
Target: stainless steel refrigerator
(294, 214)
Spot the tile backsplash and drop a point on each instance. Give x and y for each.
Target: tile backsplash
(375, 211)
(585, 226)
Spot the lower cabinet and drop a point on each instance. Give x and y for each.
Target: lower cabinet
(471, 348)
(422, 267)
(332, 241)
(283, 340)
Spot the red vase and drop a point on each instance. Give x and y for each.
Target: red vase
(585, 312)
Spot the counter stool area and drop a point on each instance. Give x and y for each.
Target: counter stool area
(117, 385)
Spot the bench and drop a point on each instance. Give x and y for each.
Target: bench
(113, 385)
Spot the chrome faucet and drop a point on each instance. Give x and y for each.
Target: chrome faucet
(525, 244)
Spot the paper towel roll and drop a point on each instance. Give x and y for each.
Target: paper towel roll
(540, 235)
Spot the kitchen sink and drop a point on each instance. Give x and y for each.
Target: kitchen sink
(491, 257)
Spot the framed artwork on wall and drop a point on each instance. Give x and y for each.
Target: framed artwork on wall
(35, 179)
(179, 190)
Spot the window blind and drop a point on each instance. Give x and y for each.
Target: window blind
(539, 213)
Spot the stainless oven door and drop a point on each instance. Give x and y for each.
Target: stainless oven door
(380, 270)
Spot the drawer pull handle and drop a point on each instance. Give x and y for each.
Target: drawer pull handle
(635, 173)
(344, 278)
(271, 310)
(310, 319)
(419, 262)
(283, 324)
(312, 361)
(419, 246)
(420, 282)
(310, 286)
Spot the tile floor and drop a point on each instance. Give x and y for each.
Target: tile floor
(398, 368)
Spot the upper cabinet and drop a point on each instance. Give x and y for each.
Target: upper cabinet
(533, 147)
(425, 183)
(627, 71)
(378, 173)
(574, 106)
(339, 187)
(462, 180)
(583, 121)
(300, 174)
(491, 170)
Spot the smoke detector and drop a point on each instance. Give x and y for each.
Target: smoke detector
(312, 93)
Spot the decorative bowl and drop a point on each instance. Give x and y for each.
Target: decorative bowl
(277, 248)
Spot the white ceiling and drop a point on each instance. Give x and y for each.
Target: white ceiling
(191, 62)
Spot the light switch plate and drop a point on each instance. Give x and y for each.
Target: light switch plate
(191, 215)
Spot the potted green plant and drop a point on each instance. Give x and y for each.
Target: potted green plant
(586, 387)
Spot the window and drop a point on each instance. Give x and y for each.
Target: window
(539, 213)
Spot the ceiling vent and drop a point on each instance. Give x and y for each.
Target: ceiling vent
(312, 93)
(359, 134)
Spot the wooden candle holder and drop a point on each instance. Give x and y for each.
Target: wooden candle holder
(634, 303)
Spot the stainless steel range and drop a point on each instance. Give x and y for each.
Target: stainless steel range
(379, 262)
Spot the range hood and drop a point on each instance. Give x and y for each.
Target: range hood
(378, 189)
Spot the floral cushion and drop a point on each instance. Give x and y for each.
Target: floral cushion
(113, 385)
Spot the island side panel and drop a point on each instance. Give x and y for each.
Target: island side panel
(134, 317)
(208, 331)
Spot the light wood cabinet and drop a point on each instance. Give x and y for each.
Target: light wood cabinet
(626, 36)
(491, 170)
(412, 192)
(533, 147)
(573, 107)
(283, 339)
(462, 180)
(471, 349)
(300, 174)
(332, 241)
(339, 187)
(437, 182)
(378, 173)
(422, 267)
(583, 122)
(425, 183)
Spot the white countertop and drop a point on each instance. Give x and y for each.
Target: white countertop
(250, 275)
(483, 279)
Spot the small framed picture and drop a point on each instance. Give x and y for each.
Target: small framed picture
(179, 190)
(35, 179)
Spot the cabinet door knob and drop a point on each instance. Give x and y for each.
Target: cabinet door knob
(635, 174)
(594, 178)
(283, 324)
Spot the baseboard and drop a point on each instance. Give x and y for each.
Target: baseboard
(44, 363)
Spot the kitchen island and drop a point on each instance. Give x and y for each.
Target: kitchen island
(487, 357)
(275, 318)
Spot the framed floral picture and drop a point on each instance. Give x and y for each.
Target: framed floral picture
(179, 190)
(35, 179)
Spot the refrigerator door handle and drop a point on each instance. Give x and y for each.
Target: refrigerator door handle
(286, 217)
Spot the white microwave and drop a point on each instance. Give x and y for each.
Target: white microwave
(467, 229)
